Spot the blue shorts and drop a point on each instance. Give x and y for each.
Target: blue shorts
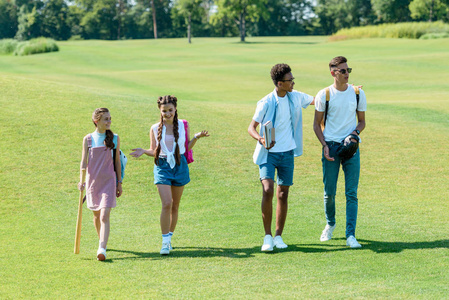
(178, 176)
(284, 163)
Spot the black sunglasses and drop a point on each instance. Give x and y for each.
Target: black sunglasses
(293, 79)
(343, 71)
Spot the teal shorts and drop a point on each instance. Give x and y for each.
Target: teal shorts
(284, 162)
(178, 176)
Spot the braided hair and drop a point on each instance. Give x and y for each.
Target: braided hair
(96, 116)
(162, 101)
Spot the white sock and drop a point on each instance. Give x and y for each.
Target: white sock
(99, 245)
(166, 238)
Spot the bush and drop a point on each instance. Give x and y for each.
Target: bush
(76, 37)
(430, 36)
(411, 30)
(7, 46)
(34, 46)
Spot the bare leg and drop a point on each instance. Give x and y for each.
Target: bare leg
(165, 192)
(282, 207)
(105, 226)
(97, 222)
(176, 194)
(267, 204)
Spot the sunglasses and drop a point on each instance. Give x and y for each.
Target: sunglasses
(343, 71)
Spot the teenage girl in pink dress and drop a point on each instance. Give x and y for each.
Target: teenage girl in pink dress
(102, 186)
(171, 173)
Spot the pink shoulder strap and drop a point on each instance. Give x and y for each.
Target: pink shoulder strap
(186, 126)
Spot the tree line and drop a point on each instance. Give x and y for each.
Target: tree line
(138, 19)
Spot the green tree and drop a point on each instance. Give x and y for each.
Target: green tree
(74, 16)
(286, 17)
(361, 12)
(190, 10)
(54, 20)
(391, 11)
(332, 15)
(335, 14)
(102, 18)
(8, 19)
(156, 15)
(139, 21)
(241, 11)
(28, 24)
(430, 10)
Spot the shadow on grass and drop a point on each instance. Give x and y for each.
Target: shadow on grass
(196, 252)
(394, 247)
(191, 252)
(375, 246)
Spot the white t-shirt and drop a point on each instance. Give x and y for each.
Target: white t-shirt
(169, 139)
(283, 127)
(265, 111)
(341, 116)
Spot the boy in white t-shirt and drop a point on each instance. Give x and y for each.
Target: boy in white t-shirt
(283, 107)
(345, 115)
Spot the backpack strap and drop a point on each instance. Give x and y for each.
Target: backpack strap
(357, 95)
(114, 155)
(328, 97)
(89, 142)
(186, 126)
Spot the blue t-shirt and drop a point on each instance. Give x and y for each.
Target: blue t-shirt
(98, 139)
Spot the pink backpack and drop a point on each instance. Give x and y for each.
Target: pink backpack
(187, 154)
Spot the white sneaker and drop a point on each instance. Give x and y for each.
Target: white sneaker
(326, 235)
(170, 247)
(267, 243)
(352, 242)
(101, 254)
(165, 250)
(279, 243)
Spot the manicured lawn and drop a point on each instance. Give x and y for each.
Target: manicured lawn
(46, 105)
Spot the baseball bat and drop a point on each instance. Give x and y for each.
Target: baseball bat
(80, 215)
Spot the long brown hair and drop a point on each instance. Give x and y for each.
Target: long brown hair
(162, 101)
(96, 116)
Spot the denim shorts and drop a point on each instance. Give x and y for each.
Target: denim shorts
(284, 163)
(178, 176)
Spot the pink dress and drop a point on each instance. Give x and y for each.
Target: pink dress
(100, 178)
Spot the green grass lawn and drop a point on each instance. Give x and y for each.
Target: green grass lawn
(46, 105)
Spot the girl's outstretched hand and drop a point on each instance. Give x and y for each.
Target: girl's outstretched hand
(137, 152)
(201, 134)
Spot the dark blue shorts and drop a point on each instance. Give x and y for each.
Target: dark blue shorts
(178, 176)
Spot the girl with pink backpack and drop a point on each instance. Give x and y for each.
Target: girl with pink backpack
(171, 148)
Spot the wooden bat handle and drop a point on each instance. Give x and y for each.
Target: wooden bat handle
(80, 215)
